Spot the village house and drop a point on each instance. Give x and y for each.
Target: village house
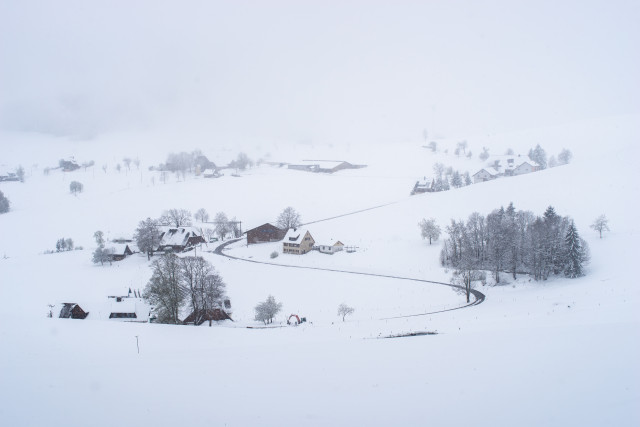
(179, 239)
(264, 234)
(485, 174)
(526, 167)
(297, 241)
(118, 251)
(129, 309)
(426, 185)
(324, 166)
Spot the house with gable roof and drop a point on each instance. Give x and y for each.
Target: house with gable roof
(297, 241)
(179, 239)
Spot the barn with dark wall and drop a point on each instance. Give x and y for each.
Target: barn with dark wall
(264, 234)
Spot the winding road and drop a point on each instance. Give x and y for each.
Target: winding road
(479, 297)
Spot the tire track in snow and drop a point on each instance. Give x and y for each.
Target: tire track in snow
(479, 296)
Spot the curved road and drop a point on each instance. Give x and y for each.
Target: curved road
(479, 296)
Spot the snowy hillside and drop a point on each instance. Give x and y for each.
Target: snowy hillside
(559, 352)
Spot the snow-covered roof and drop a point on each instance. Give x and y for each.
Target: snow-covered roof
(295, 235)
(177, 236)
(490, 171)
(118, 248)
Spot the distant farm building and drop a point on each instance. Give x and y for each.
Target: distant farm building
(211, 173)
(179, 239)
(215, 314)
(426, 185)
(72, 311)
(525, 167)
(324, 166)
(265, 233)
(129, 309)
(297, 241)
(486, 174)
(69, 165)
(118, 251)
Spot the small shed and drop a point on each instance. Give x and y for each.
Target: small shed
(119, 251)
(71, 310)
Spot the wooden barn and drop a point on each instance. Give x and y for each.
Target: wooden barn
(72, 310)
(264, 234)
(208, 315)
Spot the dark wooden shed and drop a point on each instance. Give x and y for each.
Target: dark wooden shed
(72, 310)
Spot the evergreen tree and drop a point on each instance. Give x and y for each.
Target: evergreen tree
(539, 156)
(574, 253)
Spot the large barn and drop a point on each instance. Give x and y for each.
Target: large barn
(264, 234)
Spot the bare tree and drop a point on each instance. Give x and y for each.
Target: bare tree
(164, 290)
(601, 224)
(176, 218)
(102, 255)
(429, 229)
(344, 310)
(193, 271)
(288, 218)
(485, 154)
(202, 215)
(267, 310)
(99, 237)
(565, 156)
(438, 169)
(147, 236)
(127, 163)
(222, 224)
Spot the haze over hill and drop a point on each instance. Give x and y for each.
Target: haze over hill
(231, 72)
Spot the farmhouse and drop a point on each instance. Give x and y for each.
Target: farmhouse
(525, 167)
(69, 165)
(297, 241)
(119, 251)
(210, 315)
(324, 166)
(485, 174)
(265, 233)
(424, 186)
(72, 310)
(211, 173)
(129, 309)
(179, 239)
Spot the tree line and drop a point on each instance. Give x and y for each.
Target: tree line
(515, 242)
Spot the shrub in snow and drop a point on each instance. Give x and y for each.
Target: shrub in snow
(274, 254)
(75, 187)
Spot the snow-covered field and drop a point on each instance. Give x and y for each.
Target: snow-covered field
(560, 352)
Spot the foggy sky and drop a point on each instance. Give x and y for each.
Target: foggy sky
(316, 71)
